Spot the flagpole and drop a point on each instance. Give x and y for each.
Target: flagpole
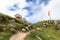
(50, 17)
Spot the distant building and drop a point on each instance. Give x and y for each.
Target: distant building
(18, 16)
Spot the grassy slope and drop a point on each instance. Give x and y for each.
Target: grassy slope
(5, 24)
(47, 33)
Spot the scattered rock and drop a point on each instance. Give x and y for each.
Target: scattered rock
(38, 28)
(24, 30)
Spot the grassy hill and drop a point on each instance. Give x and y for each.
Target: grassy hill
(9, 26)
(45, 30)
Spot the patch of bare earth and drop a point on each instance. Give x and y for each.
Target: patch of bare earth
(19, 36)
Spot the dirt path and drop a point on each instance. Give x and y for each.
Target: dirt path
(19, 36)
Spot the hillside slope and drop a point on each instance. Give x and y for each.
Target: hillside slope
(9, 26)
(45, 30)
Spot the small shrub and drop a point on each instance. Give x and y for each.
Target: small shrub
(33, 33)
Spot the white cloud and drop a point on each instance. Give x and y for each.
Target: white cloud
(53, 6)
(42, 11)
(4, 4)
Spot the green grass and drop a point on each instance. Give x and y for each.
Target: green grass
(30, 38)
(5, 35)
(5, 26)
(47, 33)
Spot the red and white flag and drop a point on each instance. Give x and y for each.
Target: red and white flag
(48, 13)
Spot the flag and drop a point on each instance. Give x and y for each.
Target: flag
(48, 13)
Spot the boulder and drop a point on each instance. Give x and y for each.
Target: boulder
(23, 30)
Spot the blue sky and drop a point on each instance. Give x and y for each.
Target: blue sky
(14, 7)
(32, 10)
